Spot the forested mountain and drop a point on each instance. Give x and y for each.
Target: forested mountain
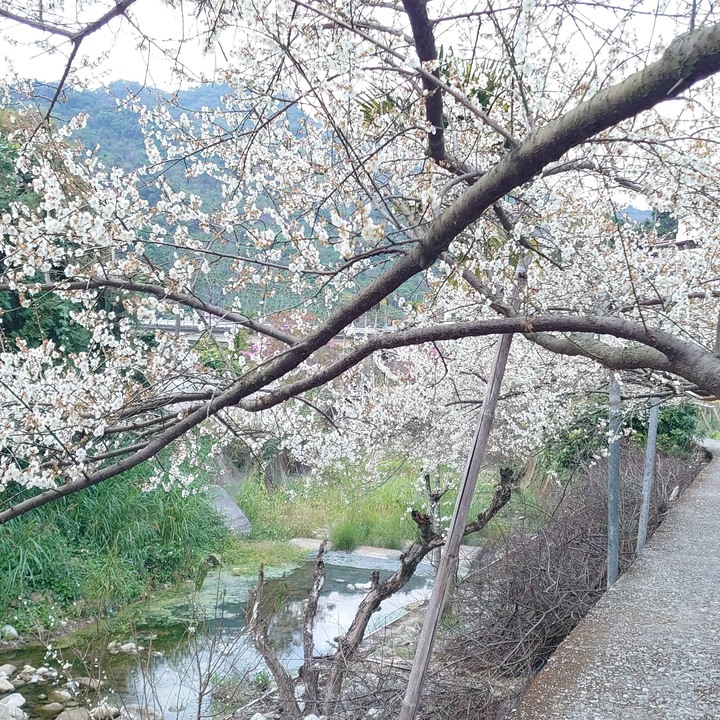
(114, 133)
(112, 125)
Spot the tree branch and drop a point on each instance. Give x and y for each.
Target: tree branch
(429, 540)
(690, 58)
(162, 293)
(661, 350)
(259, 630)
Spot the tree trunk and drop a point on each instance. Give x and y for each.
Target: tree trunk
(258, 630)
(309, 672)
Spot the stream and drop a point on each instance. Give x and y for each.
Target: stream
(195, 647)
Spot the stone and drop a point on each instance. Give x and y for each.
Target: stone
(258, 716)
(88, 682)
(5, 685)
(137, 712)
(130, 648)
(230, 511)
(8, 632)
(60, 695)
(7, 670)
(16, 699)
(105, 712)
(76, 713)
(12, 712)
(49, 709)
(26, 673)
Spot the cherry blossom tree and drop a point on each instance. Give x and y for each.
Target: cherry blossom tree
(419, 156)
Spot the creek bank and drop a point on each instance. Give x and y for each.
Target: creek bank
(188, 628)
(52, 694)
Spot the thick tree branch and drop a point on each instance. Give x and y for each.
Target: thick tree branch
(658, 350)
(258, 626)
(689, 58)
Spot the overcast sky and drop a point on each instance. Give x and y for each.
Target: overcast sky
(37, 55)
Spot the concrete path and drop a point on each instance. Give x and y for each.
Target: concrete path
(650, 649)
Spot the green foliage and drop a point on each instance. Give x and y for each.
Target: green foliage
(373, 108)
(244, 557)
(586, 436)
(349, 532)
(677, 427)
(47, 318)
(348, 512)
(338, 505)
(13, 186)
(105, 545)
(708, 422)
(268, 511)
(664, 223)
(262, 680)
(377, 517)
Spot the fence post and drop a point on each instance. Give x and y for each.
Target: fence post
(648, 474)
(613, 533)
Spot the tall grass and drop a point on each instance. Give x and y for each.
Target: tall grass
(344, 507)
(104, 546)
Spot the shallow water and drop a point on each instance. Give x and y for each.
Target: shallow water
(206, 647)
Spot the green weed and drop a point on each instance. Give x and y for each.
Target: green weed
(244, 557)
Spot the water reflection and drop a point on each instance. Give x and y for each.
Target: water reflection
(177, 684)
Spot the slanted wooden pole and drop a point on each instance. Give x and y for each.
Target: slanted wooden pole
(613, 533)
(450, 554)
(648, 474)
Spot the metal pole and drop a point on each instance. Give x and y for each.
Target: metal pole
(613, 534)
(648, 474)
(450, 554)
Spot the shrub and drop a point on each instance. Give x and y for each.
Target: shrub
(586, 435)
(538, 586)
(677, 428)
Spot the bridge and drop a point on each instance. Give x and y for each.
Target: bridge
(650, 648)
(220, 329)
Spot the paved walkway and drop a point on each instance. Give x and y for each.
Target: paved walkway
(650, 649)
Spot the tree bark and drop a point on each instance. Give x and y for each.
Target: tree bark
(259, 632)
(309, 672)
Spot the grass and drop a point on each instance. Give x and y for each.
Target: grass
(349, 512)
(100, 548)
(244, 558)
